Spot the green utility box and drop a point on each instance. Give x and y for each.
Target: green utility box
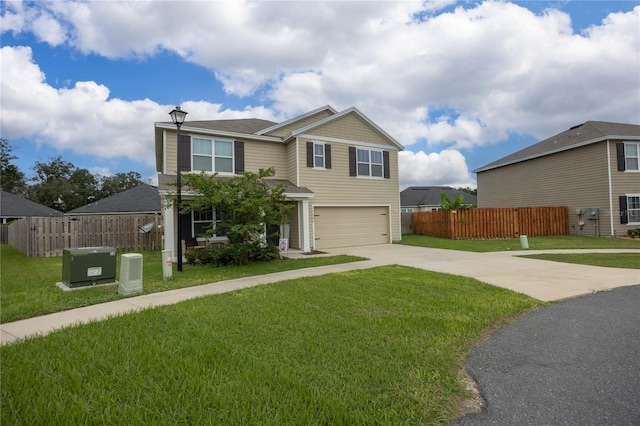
(88, 266)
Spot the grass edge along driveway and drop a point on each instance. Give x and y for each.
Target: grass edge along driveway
(376, 346)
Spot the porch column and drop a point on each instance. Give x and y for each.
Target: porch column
(169, 232)
(304, 226)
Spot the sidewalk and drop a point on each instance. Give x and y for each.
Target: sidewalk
(10, 332)
(543, 280)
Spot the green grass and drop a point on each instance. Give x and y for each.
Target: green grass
(613, 260)
(28, 284)
(376, 346)
(535, 243)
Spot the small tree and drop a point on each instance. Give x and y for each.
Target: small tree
(12, 180)
(120, 182)
(456, 204)
(246, 204)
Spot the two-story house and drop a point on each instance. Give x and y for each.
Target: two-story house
(339, 169)
(592, 168)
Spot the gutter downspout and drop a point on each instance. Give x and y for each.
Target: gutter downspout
(612, 234)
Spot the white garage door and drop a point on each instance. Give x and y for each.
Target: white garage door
(350, 226)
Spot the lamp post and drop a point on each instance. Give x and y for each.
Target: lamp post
(177, 116)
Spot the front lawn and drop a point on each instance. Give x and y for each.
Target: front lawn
(376, 346)
(28, 284)
(535, 243)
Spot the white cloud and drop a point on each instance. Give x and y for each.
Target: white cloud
(446, 168)
(47, 29)
(83, 118)
(466, 78)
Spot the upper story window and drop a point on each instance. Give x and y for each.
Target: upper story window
(212, 155)
(318, 155)
(369, 162)
(632, 156)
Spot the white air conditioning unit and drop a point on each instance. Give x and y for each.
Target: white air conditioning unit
(130, 274)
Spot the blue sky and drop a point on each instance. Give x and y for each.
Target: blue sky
(459, 84)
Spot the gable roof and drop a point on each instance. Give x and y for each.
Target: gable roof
(14, 206)
(430, 195)
(141, 199)
(576, 136)
(352, 110)
(276, 126)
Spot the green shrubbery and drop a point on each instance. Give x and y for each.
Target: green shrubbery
(246, 204)
(633, 233)
(233, 254)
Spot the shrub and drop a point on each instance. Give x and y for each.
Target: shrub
(633, 233)
(233, 254)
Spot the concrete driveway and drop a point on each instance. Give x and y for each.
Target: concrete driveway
(541, 279)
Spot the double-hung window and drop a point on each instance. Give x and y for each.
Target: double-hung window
(204, 220)
(369, 162)
(632, 156)
(212, 155)
(633, 208)
(318, 155)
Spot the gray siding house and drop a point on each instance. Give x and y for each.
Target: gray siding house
(427, 198)
(593, 168)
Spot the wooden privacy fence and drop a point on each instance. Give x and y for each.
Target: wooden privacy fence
(492, 223)
(49, 236)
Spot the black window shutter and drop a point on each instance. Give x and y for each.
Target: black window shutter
(353, 169)
(624, 217)
(385, 164)
(309, 154)
(327, 156)
(186, 225)
(238, 147)
(184, 153)
(620, 156)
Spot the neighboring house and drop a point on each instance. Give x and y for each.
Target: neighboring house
(143, 199)
(592, 168)
(13, 207)
(339, 169)
(428, 198)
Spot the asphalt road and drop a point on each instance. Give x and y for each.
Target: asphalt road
(576, 362)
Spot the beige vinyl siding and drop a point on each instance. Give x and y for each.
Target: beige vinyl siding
(171, 153)
(627, 182)
(259, 154)
(294, 233)
(577, 178)
(353, 128)
(287, 130)
(292, 166)
(334, 187)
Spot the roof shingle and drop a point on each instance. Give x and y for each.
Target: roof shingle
(585, 133)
